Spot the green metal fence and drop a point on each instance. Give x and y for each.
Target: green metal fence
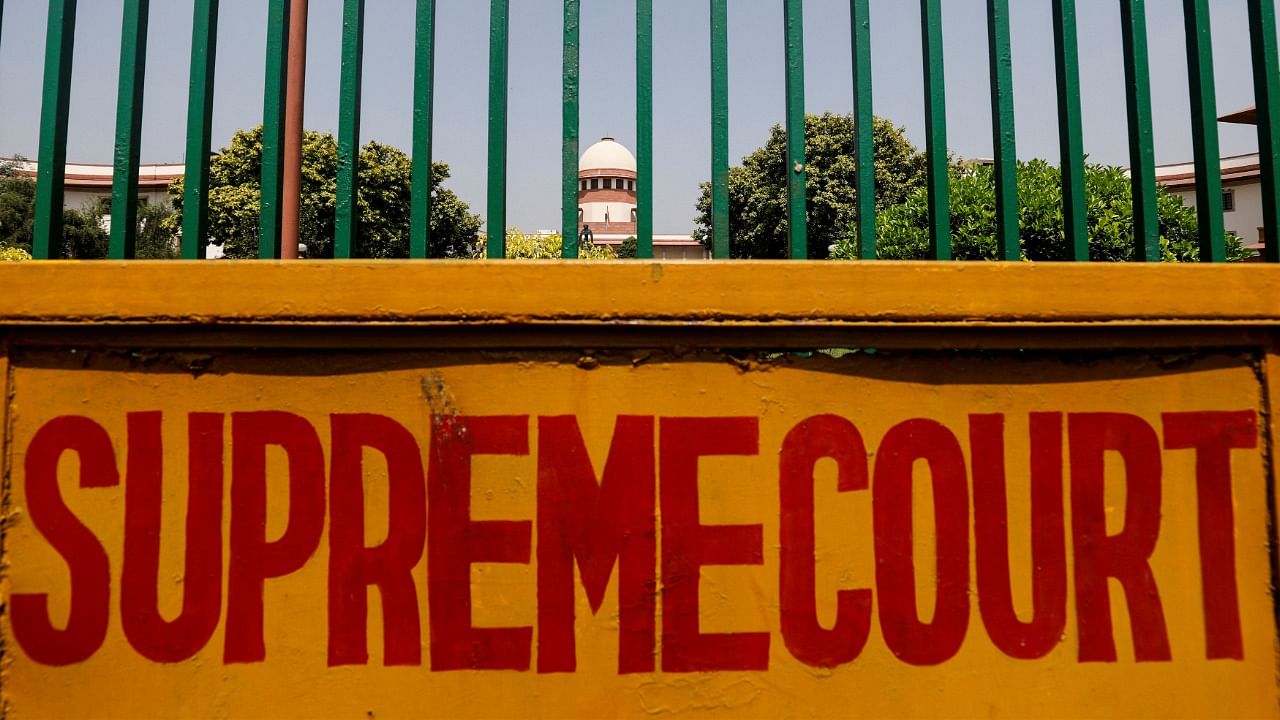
(1266, 64)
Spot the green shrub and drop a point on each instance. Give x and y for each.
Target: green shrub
(903, 230)
(13, 254)
(529, 246)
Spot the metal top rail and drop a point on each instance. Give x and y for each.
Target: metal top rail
(1266, 65)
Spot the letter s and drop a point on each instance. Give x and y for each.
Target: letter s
(87, 561)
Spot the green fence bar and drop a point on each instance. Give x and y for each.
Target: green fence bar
(133, 75)
(347, 222)
(59, 48)
(644, 129)
(797, 173)
(195, 186)
(1266, 79)
(1204, 130)
(572, 143)
(1142, 154)
(498, 58)
(269, 223)
(935, 118)
(1005, 141)
(864, 129)
(1071, 130)
(424, 74)
(720, 129)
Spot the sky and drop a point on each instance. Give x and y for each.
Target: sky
(681, 72)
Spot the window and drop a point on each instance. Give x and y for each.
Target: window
(595, 184)
(1229, 200)
(583, 184)
(608, 184)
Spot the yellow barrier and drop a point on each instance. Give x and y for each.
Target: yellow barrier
(573, 490)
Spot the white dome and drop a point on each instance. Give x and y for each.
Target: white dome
(607, 154)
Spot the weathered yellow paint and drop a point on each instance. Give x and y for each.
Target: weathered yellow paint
(719, 292)
(72, 347)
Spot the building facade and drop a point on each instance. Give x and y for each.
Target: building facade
(607, 203)
(1241, 195)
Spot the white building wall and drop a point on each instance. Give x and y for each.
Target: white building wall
(1245, 220)
(617, 212)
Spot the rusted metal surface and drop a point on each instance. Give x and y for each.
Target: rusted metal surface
(295, 102)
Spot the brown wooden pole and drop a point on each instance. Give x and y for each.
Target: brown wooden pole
(294, 102)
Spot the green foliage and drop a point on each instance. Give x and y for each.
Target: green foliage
(17, 206)
(84, 232)
(158, 227)
(629, 249)
(904, 229)
(758, 189)
(384, 200)
(13, 254)
(529, 246)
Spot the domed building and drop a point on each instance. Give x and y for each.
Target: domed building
(607, 203)
(607, 189)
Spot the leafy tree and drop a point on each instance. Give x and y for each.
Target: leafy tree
(235, 195)
(903, 230)
(529, 246)
(17, 206)
(758, 189)
(630, 249)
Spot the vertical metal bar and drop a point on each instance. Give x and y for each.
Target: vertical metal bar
(270, 220)
(423, 97)
(1142, 153)
(935, 111)
(1266, 78)
(294, 111)
(1008, 229)
(864, 129)
(498, 58)
(644, 129)
(51, 173)
(1071, 130)
(347, 223)
(133, 74)
(570, 126)
(797, 174)
(720, 129)
(195, 188)
(1204, 130)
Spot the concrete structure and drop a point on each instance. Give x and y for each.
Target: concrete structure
(607, 203)
(87, 183)
(1241, 194)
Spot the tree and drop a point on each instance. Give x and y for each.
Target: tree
(528, 246)
(758, 189)
(903, 230)
(17, 206)
(385, 174)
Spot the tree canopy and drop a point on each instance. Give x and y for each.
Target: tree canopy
(385, 178)
(903, 230)
(758, 188)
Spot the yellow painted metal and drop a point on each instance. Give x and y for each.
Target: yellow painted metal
(718, 293)
(89, 341)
